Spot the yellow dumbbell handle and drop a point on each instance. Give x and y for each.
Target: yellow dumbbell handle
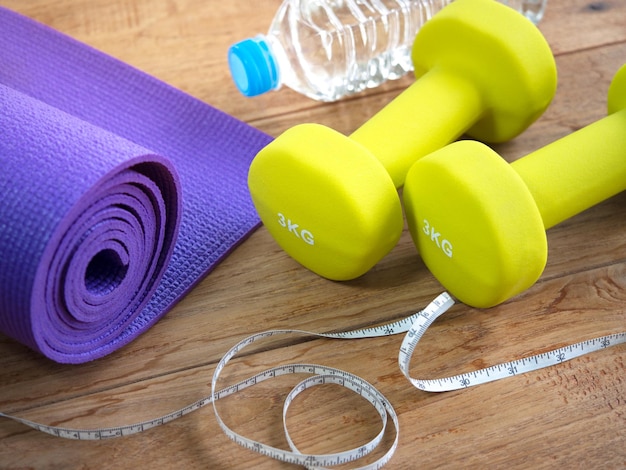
(429, 114)
(577, 171)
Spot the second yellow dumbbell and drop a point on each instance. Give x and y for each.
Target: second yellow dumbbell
(479, 223)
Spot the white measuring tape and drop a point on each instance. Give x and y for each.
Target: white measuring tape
(414, 326)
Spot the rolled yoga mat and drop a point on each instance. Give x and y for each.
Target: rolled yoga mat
(118, 193)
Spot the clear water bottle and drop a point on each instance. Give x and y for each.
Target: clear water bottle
(328, 49)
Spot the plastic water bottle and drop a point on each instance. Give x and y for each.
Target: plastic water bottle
(328, 49)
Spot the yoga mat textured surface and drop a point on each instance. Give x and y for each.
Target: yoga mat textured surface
(119, 193)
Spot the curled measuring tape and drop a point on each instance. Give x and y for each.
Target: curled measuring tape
(414, 326)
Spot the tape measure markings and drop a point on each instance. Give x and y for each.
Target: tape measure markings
(357, 452)
(415, 327)
(498, 371)
(322, 374)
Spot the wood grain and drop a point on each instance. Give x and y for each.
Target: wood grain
(573, 415)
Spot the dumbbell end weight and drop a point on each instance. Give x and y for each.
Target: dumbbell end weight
(336, 216)
(481, 246)
(617, 91)
(502, 53)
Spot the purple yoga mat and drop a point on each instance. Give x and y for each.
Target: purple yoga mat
(118, 193)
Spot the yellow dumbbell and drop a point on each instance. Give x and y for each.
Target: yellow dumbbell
(331, 201)
(479, 223)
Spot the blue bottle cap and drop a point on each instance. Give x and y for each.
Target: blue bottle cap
(253, 66)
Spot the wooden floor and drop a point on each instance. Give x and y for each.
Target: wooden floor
(569, 416)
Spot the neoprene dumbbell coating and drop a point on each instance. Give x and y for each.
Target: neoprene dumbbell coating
(480, 224)
(331, 202)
